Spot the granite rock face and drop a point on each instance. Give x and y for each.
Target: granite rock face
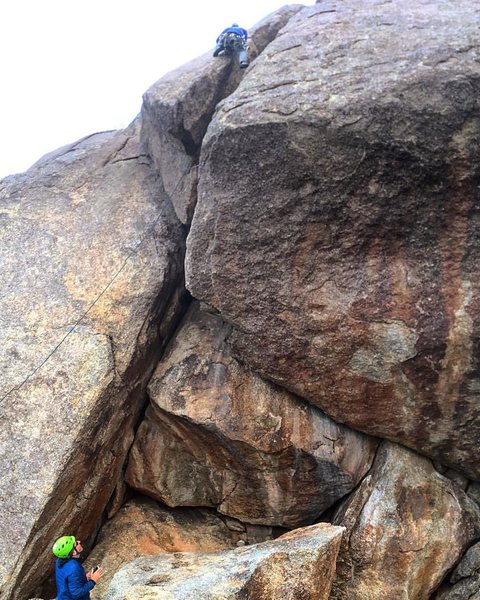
(335, 245)
(91, 279)
(300, 564)
(406, 527)
(338, 220)
(144, 528)
(218, 435)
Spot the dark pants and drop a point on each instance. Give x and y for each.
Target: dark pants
(230, 46)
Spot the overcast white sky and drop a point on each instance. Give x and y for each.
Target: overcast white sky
(70, 68)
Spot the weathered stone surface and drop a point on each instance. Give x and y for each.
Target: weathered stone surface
(338, 222)
(474, 491)
(218, 435)
(299, 565)
(465, 579)
(177, 110)
(91, 279)
(406, 526)
(143, 528)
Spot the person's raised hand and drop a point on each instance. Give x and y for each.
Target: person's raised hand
(96, 575)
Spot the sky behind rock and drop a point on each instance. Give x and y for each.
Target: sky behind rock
(71, 68)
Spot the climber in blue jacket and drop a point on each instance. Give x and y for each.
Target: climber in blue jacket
(233, 39)
(73, 583)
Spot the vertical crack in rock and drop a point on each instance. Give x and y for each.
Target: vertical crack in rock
(177, 110)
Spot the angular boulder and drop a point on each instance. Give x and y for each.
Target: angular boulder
(177, 109)
(144, 528)
(406, 527)
(91, 278)
(300, 564)
(338, 221)
(216, 434)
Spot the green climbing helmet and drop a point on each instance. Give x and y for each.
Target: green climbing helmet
(63, 546)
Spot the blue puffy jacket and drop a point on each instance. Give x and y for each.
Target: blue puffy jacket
(72, 582)
(240, 31)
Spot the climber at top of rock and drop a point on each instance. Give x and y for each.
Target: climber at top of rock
(233, 40)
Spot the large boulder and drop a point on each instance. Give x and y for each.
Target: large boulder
(338, 221)
(300, 564)
(91, 278)
(406, 527)
(144, 528)
(216, 434)
(177, 109)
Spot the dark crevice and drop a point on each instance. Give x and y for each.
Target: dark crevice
(186, 139)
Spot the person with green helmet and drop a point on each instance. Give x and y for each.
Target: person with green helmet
(73, 583)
